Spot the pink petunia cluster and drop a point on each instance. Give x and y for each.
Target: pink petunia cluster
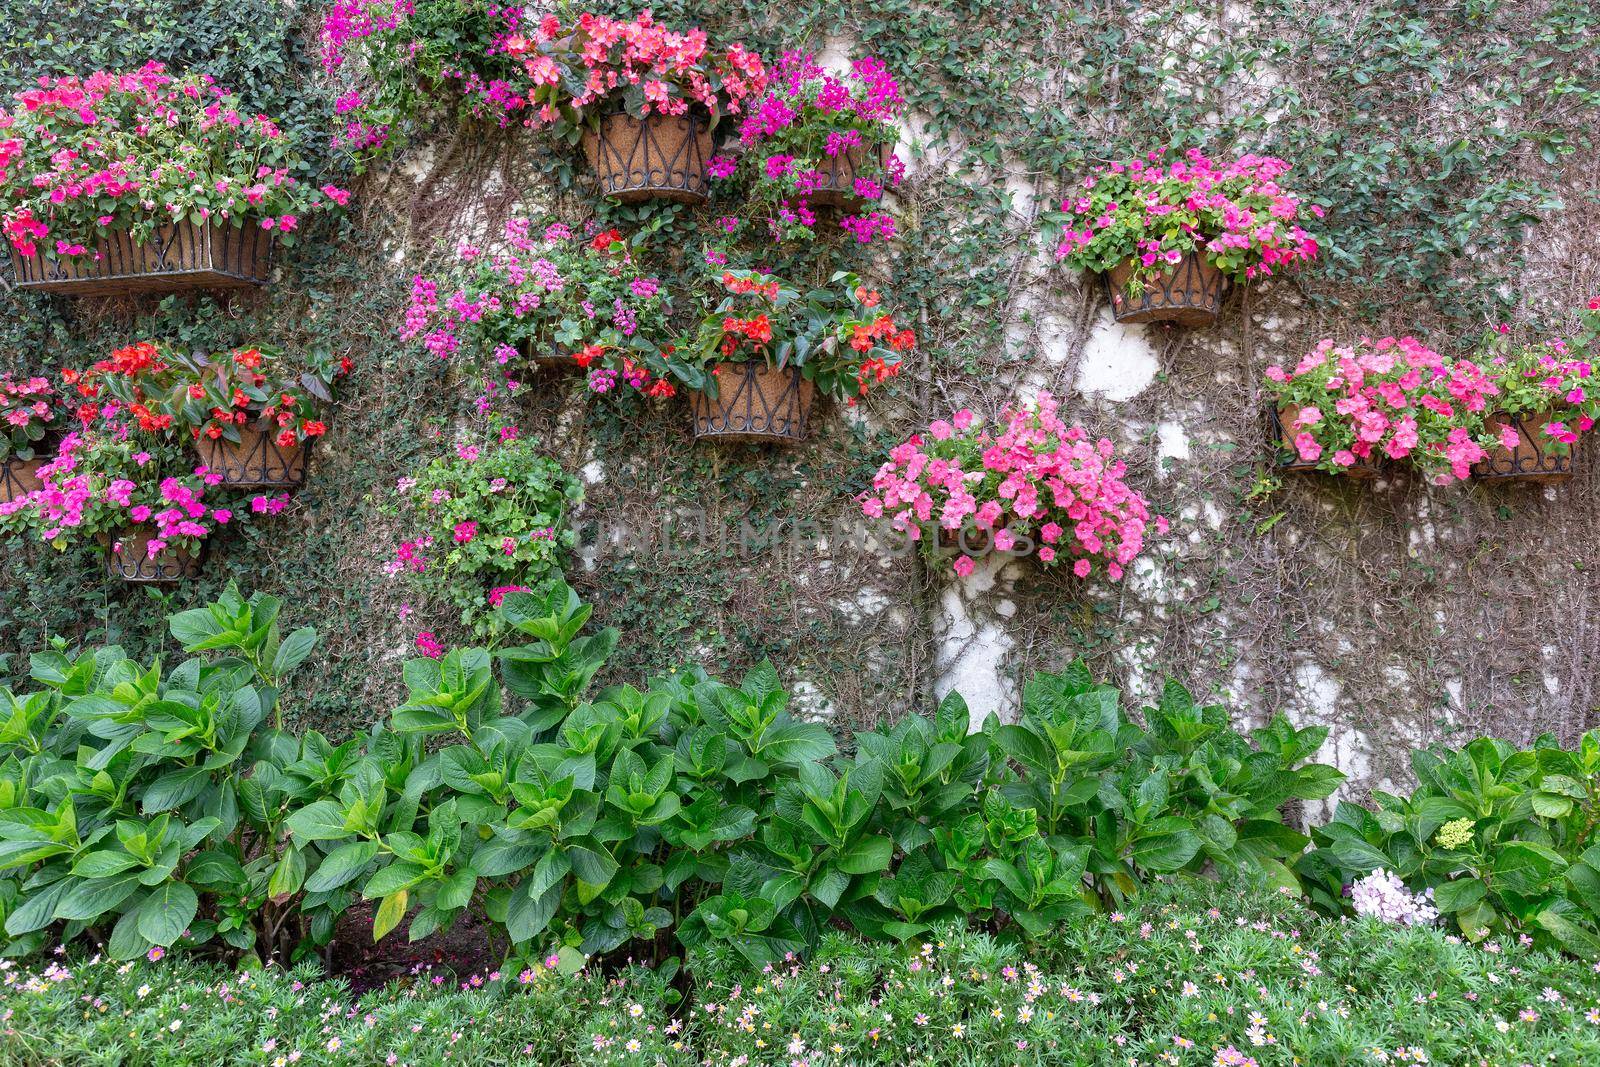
(1343, 405)
(100, 486)
(135, 151)
(1032, 485)
(1155, 210)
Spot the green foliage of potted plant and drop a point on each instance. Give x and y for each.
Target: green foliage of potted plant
(766, 346)
(392, 59)
(486, 519)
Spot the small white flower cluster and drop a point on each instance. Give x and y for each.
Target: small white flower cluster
(1382, 894)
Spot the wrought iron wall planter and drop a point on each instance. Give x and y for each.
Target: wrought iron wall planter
(836, 177)
(755, 404)
(20, 476)
(1190, 294)
(661, 156)
(179, 258)
(128, 558)
(256, 460)
(1533, 460)
(1289, 458)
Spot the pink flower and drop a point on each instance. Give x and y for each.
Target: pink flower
(1082, 568)
(964, 565)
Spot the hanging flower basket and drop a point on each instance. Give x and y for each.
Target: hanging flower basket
(19, 477)
(836, 181)
(659, 156)
(1289, 459)
(128, 558)
(1190, 294)
(179, 258)
(755, 404)
(256, 460)
(1533, 460)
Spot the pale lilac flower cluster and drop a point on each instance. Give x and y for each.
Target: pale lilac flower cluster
(1383, 895)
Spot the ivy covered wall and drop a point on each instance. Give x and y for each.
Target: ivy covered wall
(1451, 145)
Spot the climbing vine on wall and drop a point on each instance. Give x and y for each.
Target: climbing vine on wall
(1448, 144)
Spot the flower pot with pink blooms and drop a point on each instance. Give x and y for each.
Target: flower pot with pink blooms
(140, 554)
(1027, 485)
(820, 140)
(31, 415)
(1347, 409)
(766, 348)
(545, 297)
(171, 186)
(1548, 399)
(643, 101)
(1171, 231)
(133, 495)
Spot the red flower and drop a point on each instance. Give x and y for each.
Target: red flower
(315, 429)
(197, 392)
(286, 439)
(603, 241)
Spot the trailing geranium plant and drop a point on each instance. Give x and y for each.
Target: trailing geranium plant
(31, 409)
(835, 336)
(1154, 211)
(391, 57)
(254, 386)
(817, 134)
(1030, 485)
(1343, 405)
(580, 72)
(263, 386)
(108, 481)
(551, 293)
(82, 157)
(485, 518)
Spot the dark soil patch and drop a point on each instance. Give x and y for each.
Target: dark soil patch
(467, 948)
